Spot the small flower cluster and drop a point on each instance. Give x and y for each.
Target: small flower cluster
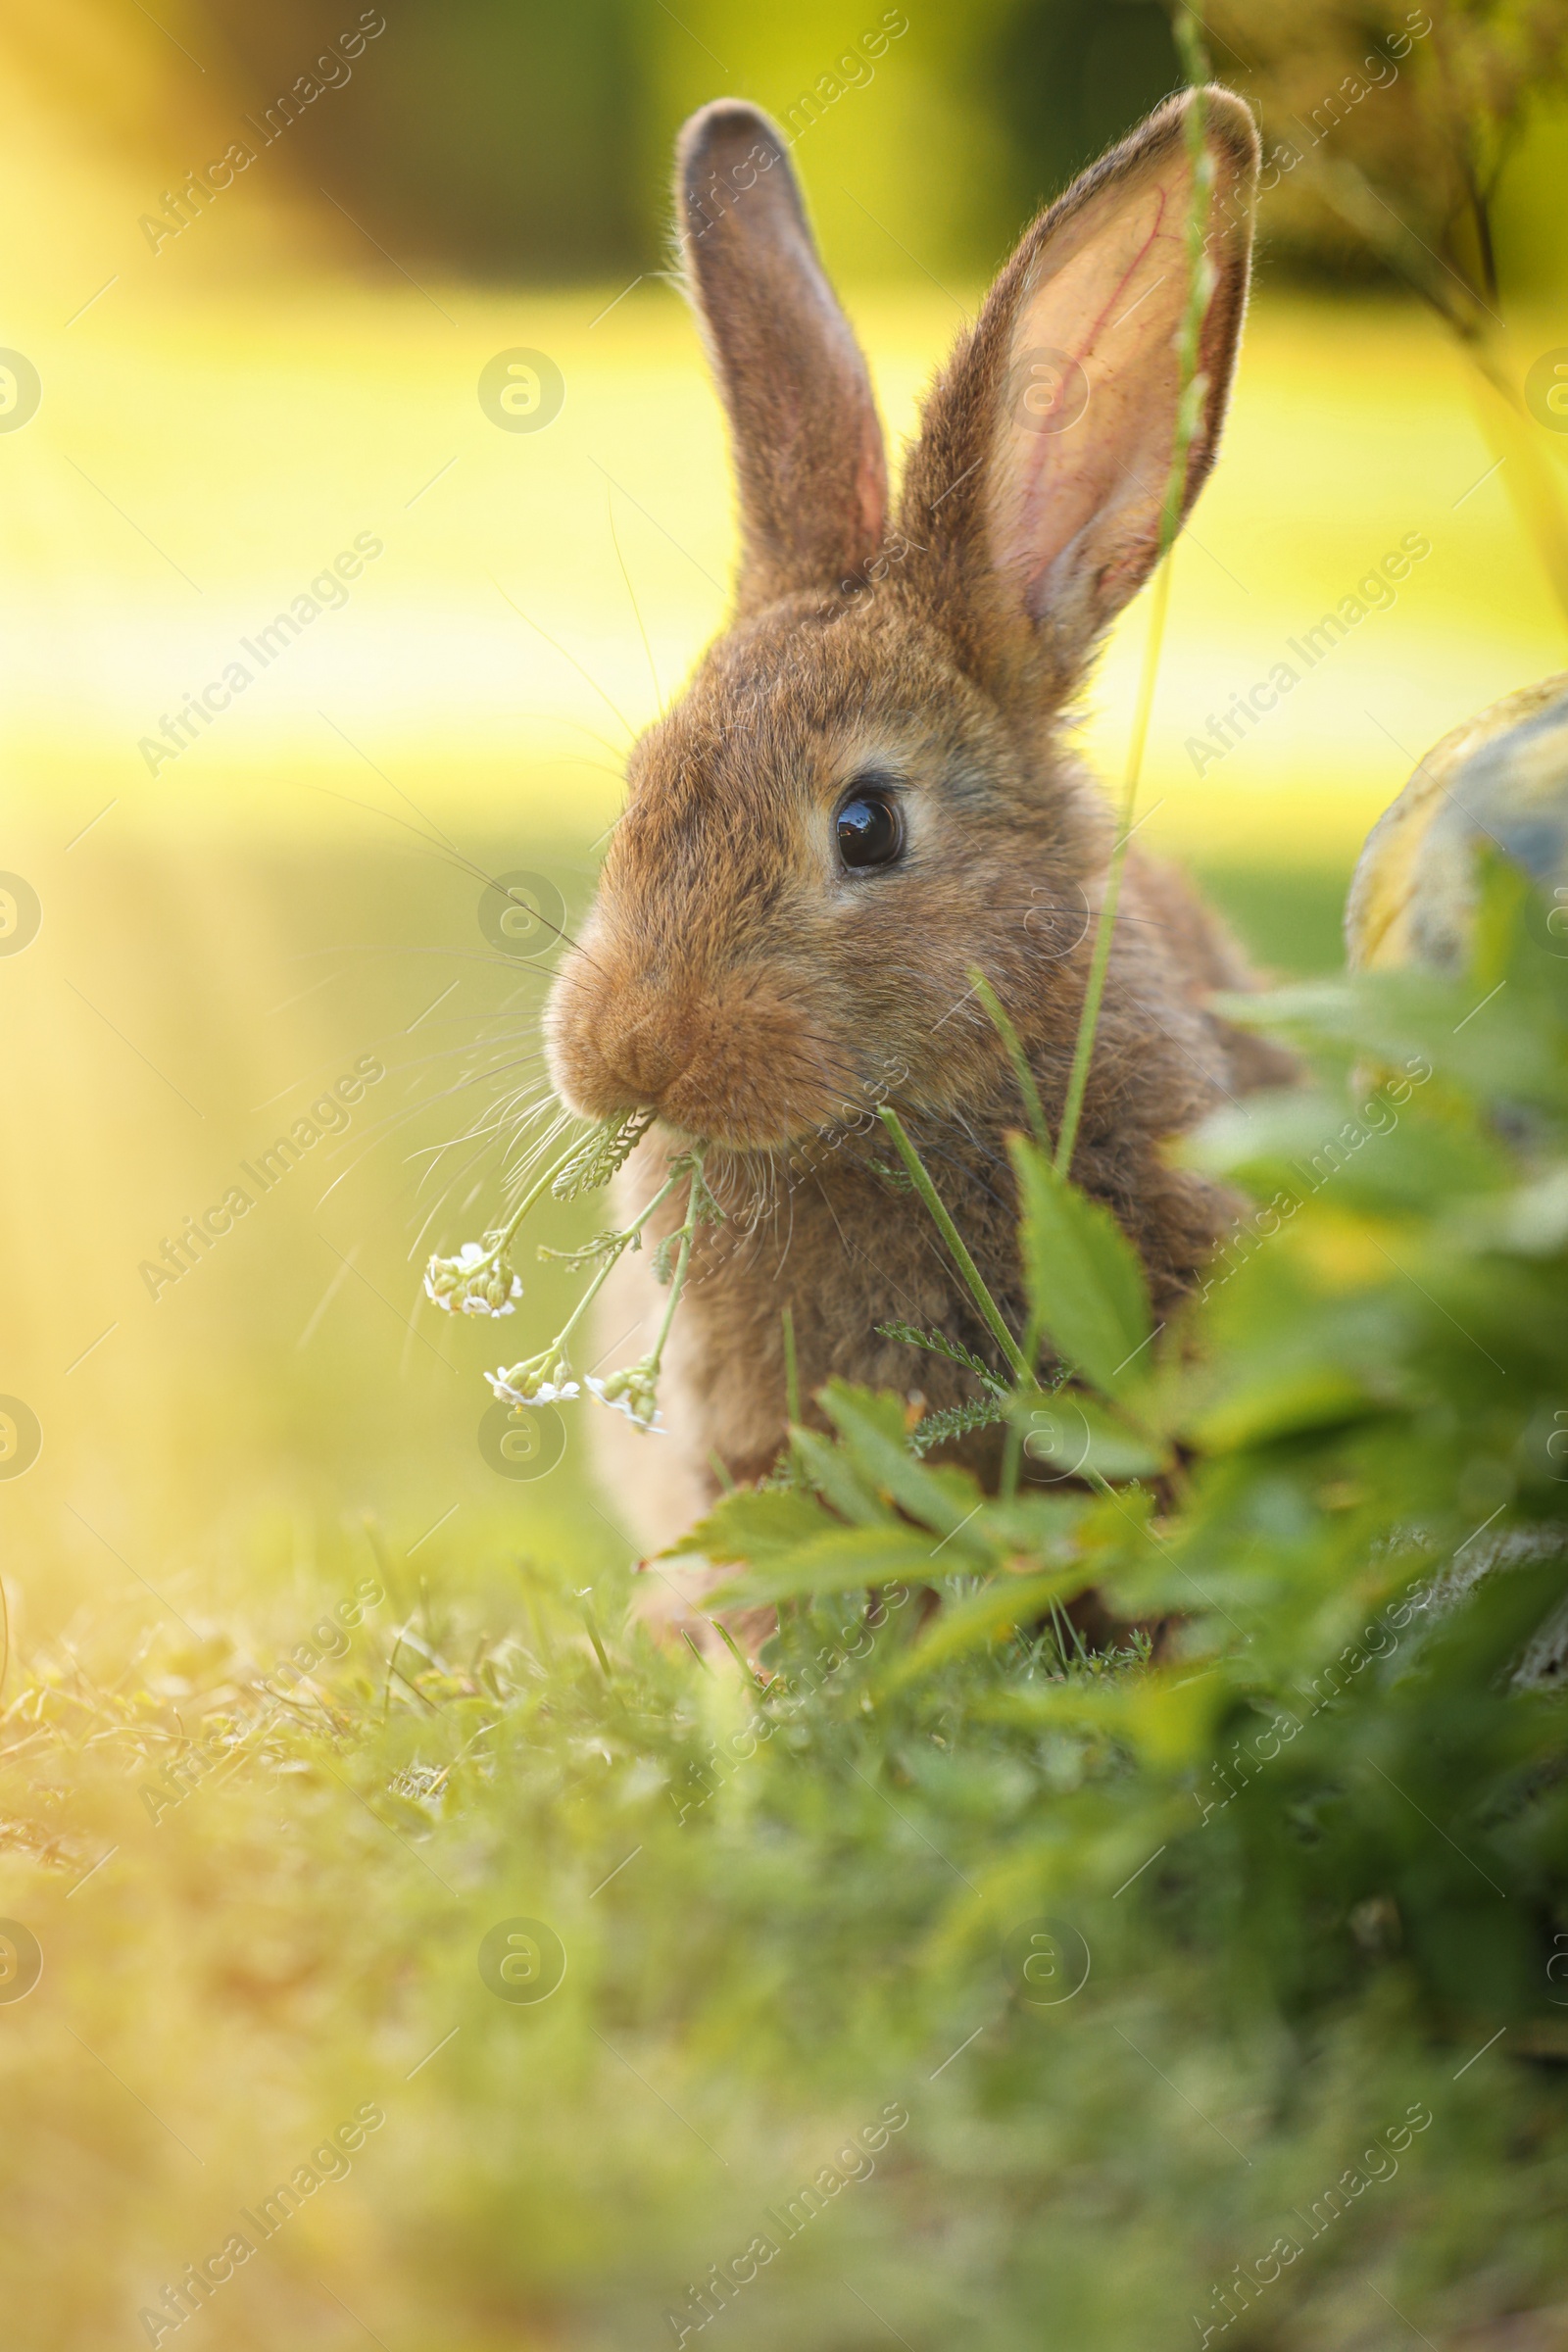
(480, 1281)
(633, 1391)
(477, 1282)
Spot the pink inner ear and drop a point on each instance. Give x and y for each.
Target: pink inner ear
(1070, 492)
(872, 487)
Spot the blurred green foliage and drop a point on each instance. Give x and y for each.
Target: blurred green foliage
(525, 141)
(505, 134)
(1289, 922)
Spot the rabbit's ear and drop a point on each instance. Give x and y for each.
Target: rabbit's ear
(807, 442)
(1038, 483)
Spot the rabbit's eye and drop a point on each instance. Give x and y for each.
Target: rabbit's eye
(871, 830)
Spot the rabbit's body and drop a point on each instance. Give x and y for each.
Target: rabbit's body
(865, 795)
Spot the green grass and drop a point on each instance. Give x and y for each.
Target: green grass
(1060, 1992)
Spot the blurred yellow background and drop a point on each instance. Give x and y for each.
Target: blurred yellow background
(222, 939)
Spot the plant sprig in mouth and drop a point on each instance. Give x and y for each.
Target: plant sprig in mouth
(481, 1280)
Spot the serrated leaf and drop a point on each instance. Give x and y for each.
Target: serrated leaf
(957, 1421)
(1085, 1281)
(941, 1499)
(937, 1343)
(840, 1561)
(754, 1525)
(835, 1477)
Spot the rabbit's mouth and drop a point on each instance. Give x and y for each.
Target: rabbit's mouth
(741, 1066)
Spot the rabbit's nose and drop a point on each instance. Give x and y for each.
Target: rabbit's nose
(647, 1055)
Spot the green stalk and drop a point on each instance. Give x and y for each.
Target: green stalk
(1012, 1441)
(529, 1197)
(1011, 1460)
(624, 1243)
(955, 1240)
(792, 1371)
(1034, 1111)
(677, 1281)
(1190, 398)
(1099, 957)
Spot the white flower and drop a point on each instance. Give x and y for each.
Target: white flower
(541, 1380)
(497, 1298)
(477, 1282)
(633, 1391)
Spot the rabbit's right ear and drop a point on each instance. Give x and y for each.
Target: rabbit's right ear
(1036, 492)
(807, 444)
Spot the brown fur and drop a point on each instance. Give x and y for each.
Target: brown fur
(733, 975)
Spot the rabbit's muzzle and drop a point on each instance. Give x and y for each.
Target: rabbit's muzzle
(734, 1062)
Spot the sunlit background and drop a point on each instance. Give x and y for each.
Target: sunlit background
(236, 387)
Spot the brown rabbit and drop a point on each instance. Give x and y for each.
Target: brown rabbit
(866, 790)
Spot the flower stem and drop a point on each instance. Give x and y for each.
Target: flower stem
(624, 1241)
(955, 1240)
(791, 1370)
(1021, 1071)
(678, 1280)
(1100, 957)
(529, 1197)
(1013, 1440)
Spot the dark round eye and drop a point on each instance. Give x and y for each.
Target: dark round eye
(871, 830)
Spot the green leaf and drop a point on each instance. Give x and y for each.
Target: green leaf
(937, 1343)
(1296, 1397)
(1067, 1435)
(1482, 1034)
(1085, 1282)
(1006, 1603)
(1045, 1526)
(1382, 1148)
(840, 1561)
(754, 1525)
(957, 1421)
(941, 1499)
(836, 1479)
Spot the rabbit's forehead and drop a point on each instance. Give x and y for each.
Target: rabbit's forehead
(781, 716)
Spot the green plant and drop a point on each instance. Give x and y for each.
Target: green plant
(947, 1968)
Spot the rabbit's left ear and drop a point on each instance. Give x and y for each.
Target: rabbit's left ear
(1036, 487)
